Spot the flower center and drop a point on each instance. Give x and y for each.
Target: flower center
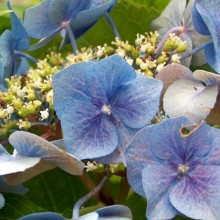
(183, 169)
(106, 109)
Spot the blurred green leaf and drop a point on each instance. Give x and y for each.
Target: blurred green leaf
(17, 206)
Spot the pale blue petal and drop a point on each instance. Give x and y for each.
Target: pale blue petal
(43, 216)
(13, 164)
(137, 103)
(171, 16)
(33, 146)
(157, 180)
(197, 194)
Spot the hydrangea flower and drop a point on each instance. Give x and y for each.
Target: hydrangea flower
(18, 189)
(94, 100)
(34, 155)
(12, 42)
(177, 167)
(177, 18)
(206, 20)
(187, 93)
(118, 212)
(71, 17)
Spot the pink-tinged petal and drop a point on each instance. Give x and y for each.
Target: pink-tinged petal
(197, 194)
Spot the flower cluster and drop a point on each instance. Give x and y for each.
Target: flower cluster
(133, 114)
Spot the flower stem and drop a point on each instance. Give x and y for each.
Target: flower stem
(195, 50)
(28, 57)
(85, 198)
(112, 25)
(72, 39)
(163, 40)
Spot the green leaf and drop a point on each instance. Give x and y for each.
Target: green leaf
(130, 18)
(56, 190)
(17, 206)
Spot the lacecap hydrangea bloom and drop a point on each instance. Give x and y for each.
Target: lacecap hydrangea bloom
(72, 18)
(94, 100)
(176, 165)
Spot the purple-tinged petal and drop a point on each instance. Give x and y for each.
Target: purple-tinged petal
(157, 181)
(137, 156)
(210, 79)
(142, 92)
(198, 22)
(87, 132)
(125, 134)
(171, 16)
(43, 216)
(31, 145)
(197, 194)
(189, 98)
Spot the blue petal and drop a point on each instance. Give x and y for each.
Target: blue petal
(213, 57)
(137, 103)
(88, 133)
(197, 195)
(65, 10)
(2, 79)
(36, 21)
(86, 18)
(125, 134)
(198, 22)
(177, 147)
(6, 51)
(137, 156)
(69, 84)
(157, 180)
(21, 39)
(115, 212)
(43, 216)
(23, 67)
